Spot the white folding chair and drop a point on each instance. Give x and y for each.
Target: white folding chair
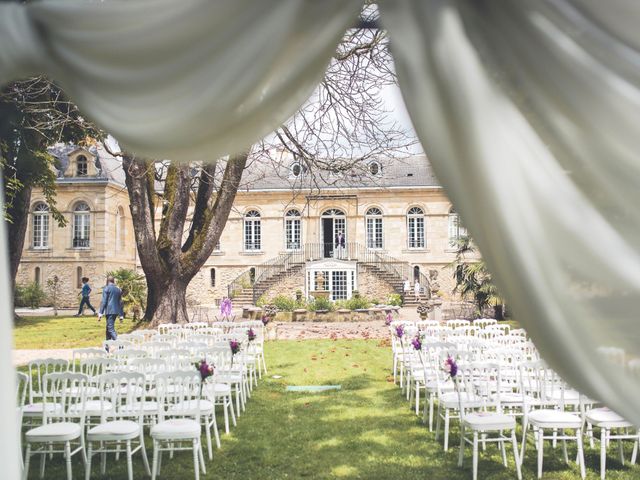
(122, 397)
(63, 423)
(178, 426)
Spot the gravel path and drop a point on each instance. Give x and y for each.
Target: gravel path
(22, 357)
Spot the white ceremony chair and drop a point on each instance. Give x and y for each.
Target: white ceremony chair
(220, 393)
(608, 421)
(178, 426)
(480, 413)
(485, 322)
(78, 355)
(546, 413)
(22, 385)
(125, 391)
(63, 424)
(36, 370)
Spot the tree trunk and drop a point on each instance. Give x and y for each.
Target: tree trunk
(17, 230)
(166, 300)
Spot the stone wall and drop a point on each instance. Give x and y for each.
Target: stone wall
(201, 291)
(373, 287)
(68, 279)
(287, 286)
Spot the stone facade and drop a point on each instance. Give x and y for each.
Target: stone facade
(111, 242)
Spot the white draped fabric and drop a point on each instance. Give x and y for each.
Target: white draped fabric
(528, 110)
(530, 115)
(186, 79)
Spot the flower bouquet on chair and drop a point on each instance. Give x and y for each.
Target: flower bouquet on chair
(206, 370)
(226, 307)
(235, 346)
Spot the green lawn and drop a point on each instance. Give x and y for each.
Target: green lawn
(364, 431)
(62, 332)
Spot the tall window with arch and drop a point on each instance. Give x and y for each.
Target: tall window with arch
(373, 223)
(252, 231)
(79, 277)
(212, 277)
(81, 225)
(37, 276)
(293, 230)
(41, 225)
(82, 166)
(415, 228)
(120, 229)
(456, 230)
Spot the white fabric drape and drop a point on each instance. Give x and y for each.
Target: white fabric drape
(187, 80)
(529, 112)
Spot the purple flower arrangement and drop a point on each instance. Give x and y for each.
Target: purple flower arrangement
(388, 319)
(450, 367)
(234, 345)
(399, 331)
(251, 335)
(417, 343)
(205, 369)
(225, 307)
(265, 319)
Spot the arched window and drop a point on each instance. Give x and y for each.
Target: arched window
(456, 230)
(82, 166)
(375, 168)
(37, 277)
(81, 225)
(293, 230)
(415, 228)
(252, 230)
(212, 274)
(41, 226)
(120, 233)
(252, 275)
(79, 277)
(373, 223)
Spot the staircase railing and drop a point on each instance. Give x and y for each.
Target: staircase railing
(241, 282)
(280, 265)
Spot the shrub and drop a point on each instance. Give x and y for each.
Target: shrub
(284, 303)
(31, 295)
(134, 290)
(357, 303)
(262, 301)
(321, 304)
(395, 299)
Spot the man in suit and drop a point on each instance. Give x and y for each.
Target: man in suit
(111, 306)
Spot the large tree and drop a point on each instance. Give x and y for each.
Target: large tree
(34, 114)
(170, 260)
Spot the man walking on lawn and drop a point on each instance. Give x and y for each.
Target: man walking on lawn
(111, 306)
(86, 291)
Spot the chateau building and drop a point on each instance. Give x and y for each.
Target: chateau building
(368, 231)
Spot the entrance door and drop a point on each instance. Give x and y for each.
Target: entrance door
(333, 222)
(416, 274)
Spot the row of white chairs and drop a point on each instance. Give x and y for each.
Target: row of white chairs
(79, 406)
(497, 384)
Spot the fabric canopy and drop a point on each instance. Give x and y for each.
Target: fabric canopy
(527, 109)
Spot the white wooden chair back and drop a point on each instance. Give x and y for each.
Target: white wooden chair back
(37, 369)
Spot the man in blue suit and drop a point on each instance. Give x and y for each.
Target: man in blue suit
(111, 306)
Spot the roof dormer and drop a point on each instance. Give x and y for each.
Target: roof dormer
(81, 164)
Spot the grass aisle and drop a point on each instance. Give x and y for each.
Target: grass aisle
(364, 431)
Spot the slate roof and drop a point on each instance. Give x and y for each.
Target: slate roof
(412, 171)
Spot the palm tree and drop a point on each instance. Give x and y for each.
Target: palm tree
(134, 290)
(473, 279)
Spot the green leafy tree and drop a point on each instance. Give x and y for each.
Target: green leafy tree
(134, 290)
(472, 278)
(34, 115)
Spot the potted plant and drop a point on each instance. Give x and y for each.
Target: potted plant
(423, 310)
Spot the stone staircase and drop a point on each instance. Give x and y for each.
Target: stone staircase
(276, 270)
